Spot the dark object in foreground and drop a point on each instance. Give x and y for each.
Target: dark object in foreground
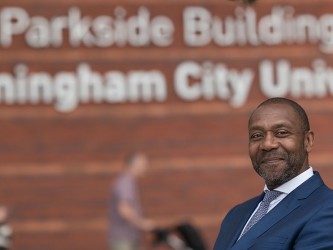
(180, 237)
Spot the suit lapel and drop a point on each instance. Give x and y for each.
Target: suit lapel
(274, 216)
(285, 207)
(242, 217)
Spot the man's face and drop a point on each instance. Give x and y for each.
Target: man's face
(140, 164)
(278, 146)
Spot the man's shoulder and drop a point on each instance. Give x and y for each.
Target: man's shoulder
(326, 193)
(315, 185)
(122, 181)
(124, 177)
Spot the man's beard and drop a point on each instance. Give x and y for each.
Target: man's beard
(293, 164)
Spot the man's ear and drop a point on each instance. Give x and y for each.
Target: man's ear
(308, 141)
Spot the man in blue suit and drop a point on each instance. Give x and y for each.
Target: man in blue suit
(295, 211)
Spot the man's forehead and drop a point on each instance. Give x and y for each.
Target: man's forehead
(274, 113)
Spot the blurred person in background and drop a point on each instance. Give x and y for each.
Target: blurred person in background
(126, 220)
(5, 230)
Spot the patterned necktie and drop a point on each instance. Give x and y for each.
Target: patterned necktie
(262, 210)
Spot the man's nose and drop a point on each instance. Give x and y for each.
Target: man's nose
(269, 142)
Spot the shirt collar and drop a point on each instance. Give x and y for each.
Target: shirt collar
(292, 184)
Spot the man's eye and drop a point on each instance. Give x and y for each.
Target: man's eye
(281, 133)
(256, 136)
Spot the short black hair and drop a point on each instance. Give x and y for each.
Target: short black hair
(305, 125)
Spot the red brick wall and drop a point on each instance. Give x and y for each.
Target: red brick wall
(56, 168)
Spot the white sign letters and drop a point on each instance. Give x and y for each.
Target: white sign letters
(192, 80)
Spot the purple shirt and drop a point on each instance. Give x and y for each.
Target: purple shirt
(124, 189)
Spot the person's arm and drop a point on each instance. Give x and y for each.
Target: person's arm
(127, 212)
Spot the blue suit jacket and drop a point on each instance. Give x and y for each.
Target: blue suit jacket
(303, 220)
